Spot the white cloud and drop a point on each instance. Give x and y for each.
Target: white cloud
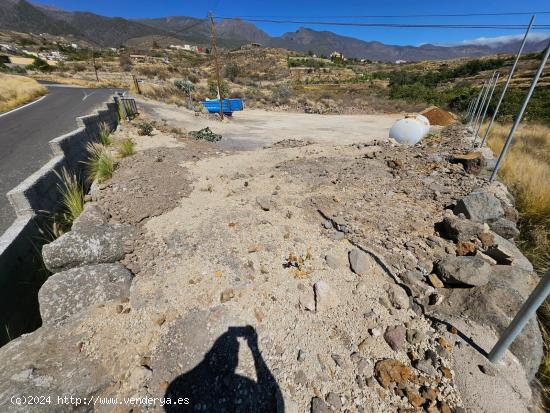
(500, 40)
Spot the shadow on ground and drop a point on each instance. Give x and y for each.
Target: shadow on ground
(214, 387)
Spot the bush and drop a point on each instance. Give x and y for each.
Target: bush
(232, 71)
(72, 199)
(100, 165)
(145, 129)
(282, 93)
(126, 148)
(104, 134)
(40, 65)
(213, 88)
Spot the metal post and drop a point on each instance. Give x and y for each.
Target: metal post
(478, 101)
(486, 107)
(523, 316)
(470, 105)
(521, 111)
(482, 105)
(512, 70)
(474, 109)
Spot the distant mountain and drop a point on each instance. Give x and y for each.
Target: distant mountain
(20, 15)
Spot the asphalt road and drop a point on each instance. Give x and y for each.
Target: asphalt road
(25, 133)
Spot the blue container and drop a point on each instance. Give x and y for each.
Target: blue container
(228, 106)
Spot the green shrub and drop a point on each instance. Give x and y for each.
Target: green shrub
(72, 199)
(104, 134)
(145, 129)
(40, 65)
(126, 148)
(213, 88)
(100, 165)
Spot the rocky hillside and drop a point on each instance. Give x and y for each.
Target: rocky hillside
(299, 277)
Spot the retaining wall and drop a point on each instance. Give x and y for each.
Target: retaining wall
(38, 195)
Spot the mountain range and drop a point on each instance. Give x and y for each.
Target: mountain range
(22, 16)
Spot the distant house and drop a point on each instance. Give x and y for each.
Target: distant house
(8, 48)
(337, 56)
(249, 46)
(398, 62)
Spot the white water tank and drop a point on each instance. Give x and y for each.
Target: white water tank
(410, 130)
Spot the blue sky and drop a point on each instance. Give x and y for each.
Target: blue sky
(331, 10)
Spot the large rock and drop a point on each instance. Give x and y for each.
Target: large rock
(505, 252)
(480, 206)
(459, 229)
(92, 215)
(494, 305)
(94, 244)
(49, 362)
(463, 271)
(68, 292)
(505, 228)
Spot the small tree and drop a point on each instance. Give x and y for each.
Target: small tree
(186, 87)
(232, 71)
(213, 88)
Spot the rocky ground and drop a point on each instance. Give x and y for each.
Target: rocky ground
(299, 277)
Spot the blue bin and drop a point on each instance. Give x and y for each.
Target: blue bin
(228, 106)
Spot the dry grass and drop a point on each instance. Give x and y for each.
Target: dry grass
(526, 170)
(18, 90)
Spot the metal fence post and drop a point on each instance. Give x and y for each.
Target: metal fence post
(486, 107)
(521, 111)
(482, 105)
(523, 316)
(512, 70)
(474, 108)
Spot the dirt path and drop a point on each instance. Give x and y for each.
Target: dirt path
(254, 128)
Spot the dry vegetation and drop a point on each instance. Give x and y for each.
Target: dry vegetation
(526, 170)
(18, 90)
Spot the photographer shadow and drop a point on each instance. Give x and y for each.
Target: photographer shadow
(214, 387)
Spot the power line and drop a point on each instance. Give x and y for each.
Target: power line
(398, 16)
(392, 25)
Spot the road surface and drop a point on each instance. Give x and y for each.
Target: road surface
(25, 133)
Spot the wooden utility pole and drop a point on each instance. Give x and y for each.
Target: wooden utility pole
(136, 84)
(95, 67)
(216, 62)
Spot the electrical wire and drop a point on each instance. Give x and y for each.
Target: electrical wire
(399, 16)
(391, 25)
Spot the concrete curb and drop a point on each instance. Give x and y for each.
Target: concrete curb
(39, 194)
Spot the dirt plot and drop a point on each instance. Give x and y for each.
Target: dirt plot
(254, 128)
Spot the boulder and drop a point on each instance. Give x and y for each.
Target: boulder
(49, 362)
(494, 305)
(68, 292)
(463, 271)
(480, 207)
(459, 229)
(505, 252)
(88, 245)
(92, 215)
(505, 228)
